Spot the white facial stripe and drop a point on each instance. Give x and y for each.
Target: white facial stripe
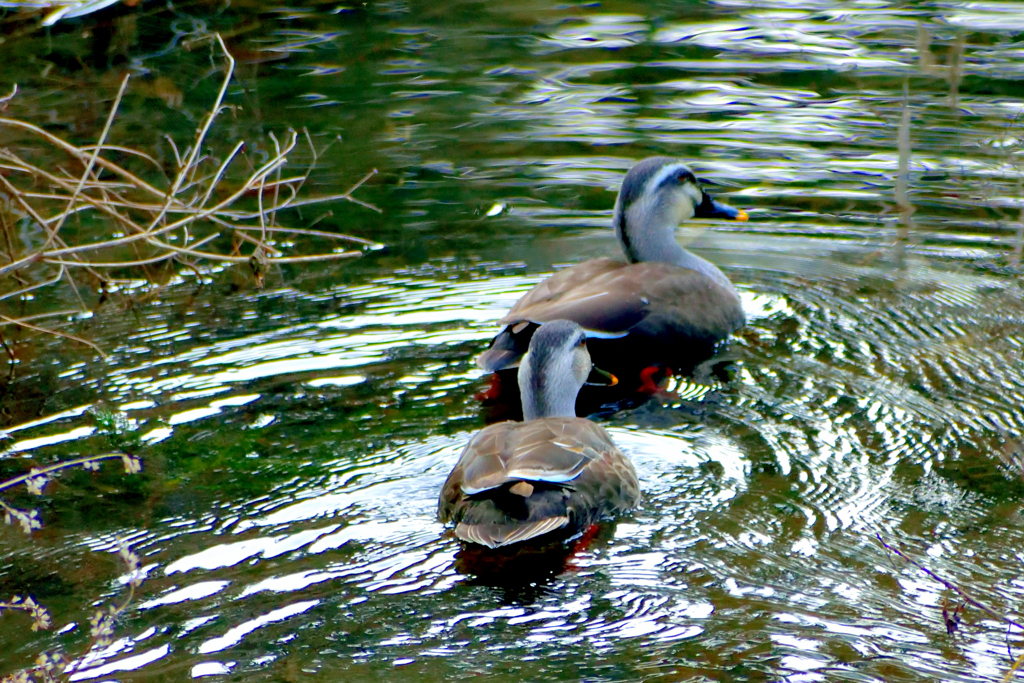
(580, 365)
(659, 177)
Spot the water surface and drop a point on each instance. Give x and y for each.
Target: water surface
(296, 437)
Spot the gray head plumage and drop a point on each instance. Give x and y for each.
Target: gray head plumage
(637, 179)
(554, 370)
(656, 195)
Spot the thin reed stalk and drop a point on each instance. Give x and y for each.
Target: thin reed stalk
(953, 621)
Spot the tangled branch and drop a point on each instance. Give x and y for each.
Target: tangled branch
(51, 667)
(37, 478)
(200, 216)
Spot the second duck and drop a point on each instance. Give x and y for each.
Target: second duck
(662, 306)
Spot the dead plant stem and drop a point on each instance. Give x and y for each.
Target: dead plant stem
(950, 585)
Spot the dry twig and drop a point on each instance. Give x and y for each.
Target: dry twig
(55, 666)
(967, 597)
(951, 586)
(199, 217)
(37, 478)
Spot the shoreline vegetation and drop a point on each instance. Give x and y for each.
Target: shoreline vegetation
(104, 226)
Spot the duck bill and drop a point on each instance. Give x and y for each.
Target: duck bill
(709, 208)
(599, 377)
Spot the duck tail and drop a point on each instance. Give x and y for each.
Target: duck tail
(497, 535)
(507, 348)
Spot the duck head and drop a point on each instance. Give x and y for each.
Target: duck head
(657, 195)
(554, 370)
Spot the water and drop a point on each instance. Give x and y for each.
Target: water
(296, 437)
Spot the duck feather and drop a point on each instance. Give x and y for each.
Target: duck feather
(577, 473)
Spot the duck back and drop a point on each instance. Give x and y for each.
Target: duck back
(635, 315)
(519, 480)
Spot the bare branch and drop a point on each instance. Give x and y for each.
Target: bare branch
(178, 220)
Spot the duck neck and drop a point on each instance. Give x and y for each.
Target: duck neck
(688, 259)
(655, 241)
(543, 397)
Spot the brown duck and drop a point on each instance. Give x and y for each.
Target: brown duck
(662, 305)
(554, 472)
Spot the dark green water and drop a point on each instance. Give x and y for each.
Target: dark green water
(297, 436)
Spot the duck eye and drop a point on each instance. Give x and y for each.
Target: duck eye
(582, 341)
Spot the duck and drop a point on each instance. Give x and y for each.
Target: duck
(663, 306)
(553, 472)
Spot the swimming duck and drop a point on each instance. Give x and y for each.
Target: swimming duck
(662, 305)
(519, 480)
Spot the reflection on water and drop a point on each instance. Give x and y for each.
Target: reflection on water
(296, 438)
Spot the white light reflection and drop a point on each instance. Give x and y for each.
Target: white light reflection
(193, 624)
(758, 306)
(212, 409)
(381, 532)
(290, 583)
(31, 444)
(192, 415)
(876, 633)
(261, 421)
(212, 669)
(196, 591)
(305, 348)
(230, 554)
(73, 412)
(342, 381)
(127, 664)
(157, 435)
(137, 405)
(199, 393)
(235, 635)
(679, 633)
(658, 454)
(225, 555)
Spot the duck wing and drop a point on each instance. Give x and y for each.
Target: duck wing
(592, 294)
(611, 299)
(551, 450)
(600, 295)
(685, 303)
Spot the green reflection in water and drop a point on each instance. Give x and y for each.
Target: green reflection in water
(297, 436)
